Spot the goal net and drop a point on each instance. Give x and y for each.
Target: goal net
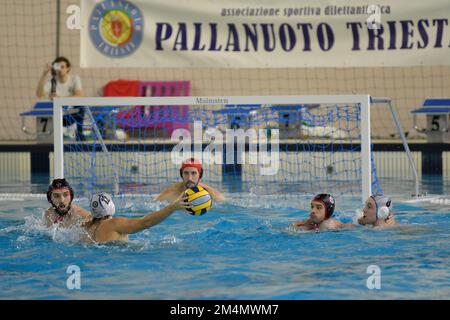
(256, 144)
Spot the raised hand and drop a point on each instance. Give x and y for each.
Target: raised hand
(47, 68)
(390, 220)
(182, 202)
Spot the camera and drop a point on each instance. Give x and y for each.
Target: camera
(56, 66)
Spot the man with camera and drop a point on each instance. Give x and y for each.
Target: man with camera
(62, 84)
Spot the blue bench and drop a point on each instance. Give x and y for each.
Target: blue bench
(40, 109)
(45, 109)
(43, 112)
(437, 111)
(434, 106)
(289, 120)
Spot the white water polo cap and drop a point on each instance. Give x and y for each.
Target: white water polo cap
(384, 206)
(102, 205)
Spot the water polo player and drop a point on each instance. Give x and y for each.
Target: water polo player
(63, 212)
(322, 209)
(191, 172)
(104, 227)
(377, 211)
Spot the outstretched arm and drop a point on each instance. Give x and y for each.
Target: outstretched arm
(347, 225)
(299, 224)
(215, 194)
(334, 224)
(133, 225)
(40, 93)
(164, 195)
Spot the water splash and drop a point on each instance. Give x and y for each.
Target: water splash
(34, 226)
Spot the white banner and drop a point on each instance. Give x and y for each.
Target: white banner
(264, 34)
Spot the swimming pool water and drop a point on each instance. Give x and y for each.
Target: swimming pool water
(235, 251)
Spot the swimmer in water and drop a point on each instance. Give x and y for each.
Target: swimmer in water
(377, 212)
(322, 208)
(191, 172)
(104, 228)
(62, 212)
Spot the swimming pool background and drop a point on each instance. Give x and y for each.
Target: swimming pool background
(232, 252)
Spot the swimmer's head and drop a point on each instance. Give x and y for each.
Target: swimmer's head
(377, 207)
(60, 195)
(191, 172)
(322, 207)
(102, 205)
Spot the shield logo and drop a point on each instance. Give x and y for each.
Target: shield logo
(113, 24)
(116, 27)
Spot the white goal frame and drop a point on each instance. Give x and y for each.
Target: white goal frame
(363, 100)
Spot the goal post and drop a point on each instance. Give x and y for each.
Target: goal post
(320, 128)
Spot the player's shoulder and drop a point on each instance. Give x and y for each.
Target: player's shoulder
(115, 221)
(117, 225)
(175, 188)
(48, 212)
(79, 210)
(47, 216)
(204, 185)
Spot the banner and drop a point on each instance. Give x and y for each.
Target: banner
(264, 34)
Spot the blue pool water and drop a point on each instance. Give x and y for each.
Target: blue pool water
(235, 251)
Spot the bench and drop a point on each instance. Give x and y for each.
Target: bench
(437, 112)
(43, 112)
(286, 118)
(161, 119)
